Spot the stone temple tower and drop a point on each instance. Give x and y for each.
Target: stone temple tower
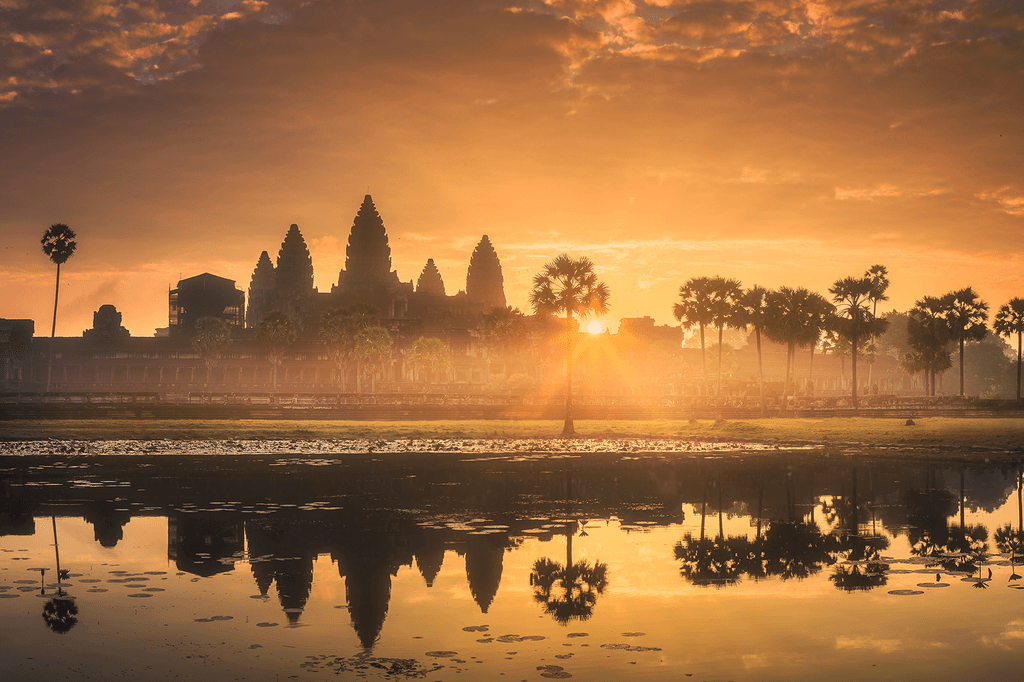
(430, 281)
(368, 255)
(261, 291)
(485, 285)
(293, 280)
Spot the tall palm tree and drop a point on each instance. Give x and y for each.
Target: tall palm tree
(570, 286)
(338, 329)
(967, 316)
(59, 244)
(753, 310)
(879, 277)
(505, 330)
(276, 331)
(1009, 321)
(725, 297)
(852, 297)
(928, 334)
(212, 337)
(373, 353)
(792, 320)
(694, 310)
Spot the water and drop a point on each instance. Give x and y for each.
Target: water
(445, 566)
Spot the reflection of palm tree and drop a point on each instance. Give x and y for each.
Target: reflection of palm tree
(959, 549)
(852, 578)
(60, 614)
(717, 562)
(796, 549)
(569, 592)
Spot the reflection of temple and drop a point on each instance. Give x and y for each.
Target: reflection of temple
(203, 543)
(108, 523)
(279, 554)
(484, 557)
(367, 562)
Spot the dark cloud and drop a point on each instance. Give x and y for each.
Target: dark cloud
(175, 135)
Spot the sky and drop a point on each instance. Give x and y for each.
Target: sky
(778, 142)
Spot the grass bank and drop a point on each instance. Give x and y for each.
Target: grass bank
(1005, 434)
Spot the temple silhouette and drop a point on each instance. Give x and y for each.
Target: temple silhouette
(367, 280)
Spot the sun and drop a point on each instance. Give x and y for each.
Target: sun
(595, 327)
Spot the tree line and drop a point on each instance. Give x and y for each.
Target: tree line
(796, 317)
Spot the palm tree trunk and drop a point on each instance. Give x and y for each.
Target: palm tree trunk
(760, 372)
(703, 361)
(961, 367)
(56, 550)
(718, 390)
(53, 331)
(810, 373)
(568, 427)
(274, 375)
(790, 350)
(1018, 364)
(853, 366)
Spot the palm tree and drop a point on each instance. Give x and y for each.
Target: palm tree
(213, 335)
(879, 277)
(753, 306)
(694, 310)
(928, 334)
(1009, 321)
(852, 296)
(725, 298)
(504, 331)
(432, 355)
(373, 351)
(569, 286)
(59, 244)
(338, 329)
(276, 331)
(967, 315)
(792, 319)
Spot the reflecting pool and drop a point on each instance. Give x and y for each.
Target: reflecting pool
(264, 564)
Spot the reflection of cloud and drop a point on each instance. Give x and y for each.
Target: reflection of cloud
(1010, 638)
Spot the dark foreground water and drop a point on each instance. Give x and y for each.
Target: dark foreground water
(521, 566)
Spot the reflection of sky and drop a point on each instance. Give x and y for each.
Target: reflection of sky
(768, 629)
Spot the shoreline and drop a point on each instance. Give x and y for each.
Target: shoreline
(1000, 435)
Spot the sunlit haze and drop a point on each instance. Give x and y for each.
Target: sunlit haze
(775, 142)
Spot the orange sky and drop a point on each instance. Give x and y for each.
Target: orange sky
(773, 141)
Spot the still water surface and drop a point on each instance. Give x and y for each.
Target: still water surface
(448, 566)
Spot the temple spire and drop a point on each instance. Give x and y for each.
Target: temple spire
(368, 255)
(293, 281)
(485, 284)
(261, 291)
(430, 281)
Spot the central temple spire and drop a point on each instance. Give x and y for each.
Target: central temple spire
(368, 255)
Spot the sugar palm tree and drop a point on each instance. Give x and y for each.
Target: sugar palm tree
(928, 334)
(967, 316)
(725, 297)
(212, 337)
(879, 277)
(432, 355)
(505, 330)
(570, 286)
(694, 310)
(852, 297)
(276, 331)
(1009, 321)
(753, 313)
(792, 319)
(59, 244)
(373, 353)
